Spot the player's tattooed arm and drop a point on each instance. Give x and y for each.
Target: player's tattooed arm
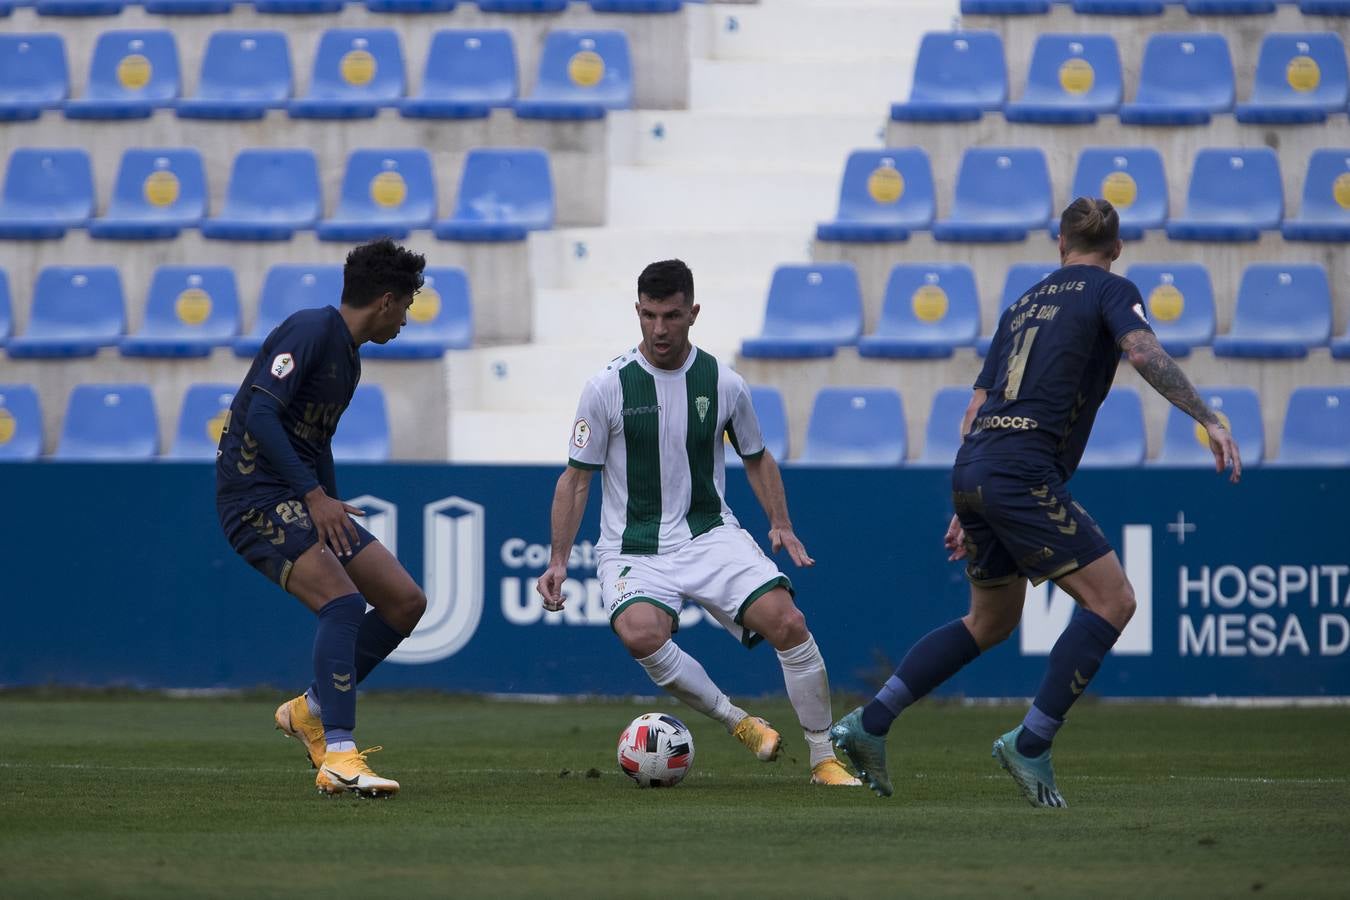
(1160, 370)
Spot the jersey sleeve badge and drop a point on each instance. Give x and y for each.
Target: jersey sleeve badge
(283, 365)
(1139, 311)
(581, 434)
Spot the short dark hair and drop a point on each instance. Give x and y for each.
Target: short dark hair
(378, 268)
(666, 279)
(1090, 226)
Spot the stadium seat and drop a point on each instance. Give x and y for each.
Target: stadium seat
(1180, 301)
(287, 289)
(1234, 195)
(298, 7)
(271, 195)
(1239, 408)
(885, 194)
(363, 431)
(20, 423)
(1325, 215)
(504, 193)
(132, 74)
(1299, 78)
(468, 74)
(1282, 310)
(1072, 79)
(1021, 277)
(109, 423)
(1340, 347)
(637, 6)
(772, 415)
(811, 311)
(855, 426)
(928, 311)
(6, 310)
(33, 75)
(158, 193)
(76, 310)
(1184, 78)
(46, 192)
(244, 74)
(1324, 7)
(957, 77)
(522, 6)
(203, 415)
(411, 6)
(1004, 7)
(942, 437)
(1231, 7)
(385, 193)
(441, 318)
(1117, 438)
(1316, 427)
(1001, 194)
(188, 7)
(582, 75)
(189, 310)
(1119, 7)
(78, 7)
(1132, 179)
(356, 72)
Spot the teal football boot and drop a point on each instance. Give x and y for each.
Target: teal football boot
(866, 752)
(1033, 775)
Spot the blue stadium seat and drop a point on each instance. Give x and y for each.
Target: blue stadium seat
(188, 7)
(811, 311)
(1184, 79)
(1001, 194)
(132, 74)
(928, 311)
(158, 193)
(271, 195)
(46, 192)
(1316, 427)
(1325, 215)
(1119, 7)
(957, 77)
(772, 415)
(33, 75)
(1340, 347)
(504, 193)
(109, 423)
(1132, 179)
(189, 310)
(1282, 310)
(203, 415)
(385, 193)
(1072, 79)
(298, 7)
(638, 6)
(582, 75)
(441, 318)
(363, 431)
(78, 7)
(1234, 195)
(1324, 7)
(356, 72)
(244, 74)
(1004, 7)
(1231, 7)
(468, 74)
(411, 6)
(76, 310)
(1021, 278)
(1239, 408)
(1299, 78)
(855, 426)
(287, 289)
(885, 194)
(1180, 301)
(942, 436)
(6, 310)
(522, 6)
(20, 423)
(1117, 438)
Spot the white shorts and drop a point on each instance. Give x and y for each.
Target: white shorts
(723, 571)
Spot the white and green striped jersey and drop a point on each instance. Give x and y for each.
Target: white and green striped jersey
(657, 436)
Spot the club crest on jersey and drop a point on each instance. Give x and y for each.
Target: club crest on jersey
(581, 434)
(701, 405)
(283, 365)
(1139, 311)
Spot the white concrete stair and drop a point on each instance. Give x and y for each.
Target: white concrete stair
(832, 31)
(742, 139)
(640, 196)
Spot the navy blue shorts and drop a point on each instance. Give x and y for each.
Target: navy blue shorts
(1020, 520)
(272, 532)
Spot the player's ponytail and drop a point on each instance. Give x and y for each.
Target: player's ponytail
(1090, 226)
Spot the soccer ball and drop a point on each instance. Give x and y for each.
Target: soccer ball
(656, 750)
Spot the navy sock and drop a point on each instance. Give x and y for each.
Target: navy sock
(374, 642)
(937, 656)
(335, 663)
(1074, 659)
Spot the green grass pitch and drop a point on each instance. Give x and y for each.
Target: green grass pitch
(144, 796)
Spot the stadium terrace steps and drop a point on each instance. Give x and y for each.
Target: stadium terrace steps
(851, 86)
(748, 198)
(817, 31)
(564, 317)
(684, 137)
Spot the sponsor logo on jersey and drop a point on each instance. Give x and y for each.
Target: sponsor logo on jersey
(1139, 311)
(283, 365)
(1014, 423)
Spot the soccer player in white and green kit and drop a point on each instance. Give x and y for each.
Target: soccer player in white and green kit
(653, 422)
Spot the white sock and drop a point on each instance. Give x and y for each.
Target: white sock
(682, 676)
(341, 746)
(808, 687)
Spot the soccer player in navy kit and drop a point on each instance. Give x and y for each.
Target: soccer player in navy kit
(1051, 364)
(276, 494)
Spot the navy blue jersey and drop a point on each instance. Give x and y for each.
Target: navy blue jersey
(1050, 366)
(310, 364)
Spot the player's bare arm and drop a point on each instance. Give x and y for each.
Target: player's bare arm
(767, 482)
(955, 538)
(569, 504)
(1161, 371)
